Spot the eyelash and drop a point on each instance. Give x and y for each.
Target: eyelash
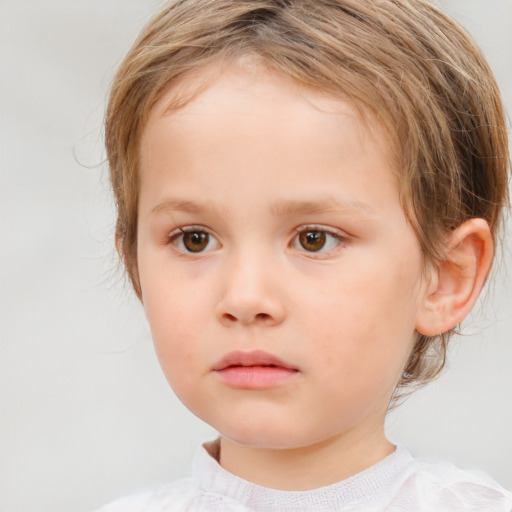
(176, 237)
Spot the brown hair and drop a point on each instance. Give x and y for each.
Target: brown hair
(405, 61)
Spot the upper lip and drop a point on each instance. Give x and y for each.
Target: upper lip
(253, 358)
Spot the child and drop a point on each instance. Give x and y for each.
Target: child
(309, 194)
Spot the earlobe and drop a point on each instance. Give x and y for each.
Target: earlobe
(458, 280)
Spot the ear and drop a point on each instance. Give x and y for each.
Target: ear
(458, 280)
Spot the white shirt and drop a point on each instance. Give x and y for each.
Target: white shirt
(399, 483)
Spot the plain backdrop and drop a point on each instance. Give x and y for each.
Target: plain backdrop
(86, 415)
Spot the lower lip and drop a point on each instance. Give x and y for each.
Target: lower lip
(256, 377)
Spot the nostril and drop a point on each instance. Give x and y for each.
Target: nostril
(259, 317)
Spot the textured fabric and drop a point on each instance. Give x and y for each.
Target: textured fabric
(399, 483)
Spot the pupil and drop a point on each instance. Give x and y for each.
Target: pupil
(195, 241)
(312, 240)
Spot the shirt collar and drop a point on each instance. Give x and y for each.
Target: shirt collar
(364, 488)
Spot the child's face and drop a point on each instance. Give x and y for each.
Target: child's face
(295, 245)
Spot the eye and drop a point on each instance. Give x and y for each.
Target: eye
(193, 240)
(313, 239)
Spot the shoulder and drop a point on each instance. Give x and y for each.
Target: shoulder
(437, 485)
(172, 497)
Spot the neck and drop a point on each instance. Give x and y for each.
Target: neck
(306, 467)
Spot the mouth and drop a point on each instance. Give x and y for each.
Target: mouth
(254, 358)
(256, 370)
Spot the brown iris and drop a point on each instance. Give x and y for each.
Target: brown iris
(195, 241)
(312, 240)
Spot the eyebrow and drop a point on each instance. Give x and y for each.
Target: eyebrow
(177, 205)
(282, 207)
(327, 205)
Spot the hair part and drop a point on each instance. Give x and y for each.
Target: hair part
(404, 61)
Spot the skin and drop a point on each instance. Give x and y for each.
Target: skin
(243, 161)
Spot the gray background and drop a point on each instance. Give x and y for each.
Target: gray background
(86, 415)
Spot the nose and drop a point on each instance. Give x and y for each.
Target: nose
(250, 294)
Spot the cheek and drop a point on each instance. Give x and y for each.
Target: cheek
(364, 321)
(167, 299)
(176, 350)
(173, 316)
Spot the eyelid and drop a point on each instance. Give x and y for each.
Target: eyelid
(336, 233)
(187, 229)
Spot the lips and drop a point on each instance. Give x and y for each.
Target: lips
(254, 370)
(254, 358)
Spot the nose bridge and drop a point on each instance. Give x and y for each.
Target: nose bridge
(250, 287)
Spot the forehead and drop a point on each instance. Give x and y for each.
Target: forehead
(223, 87)
(245, 124)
